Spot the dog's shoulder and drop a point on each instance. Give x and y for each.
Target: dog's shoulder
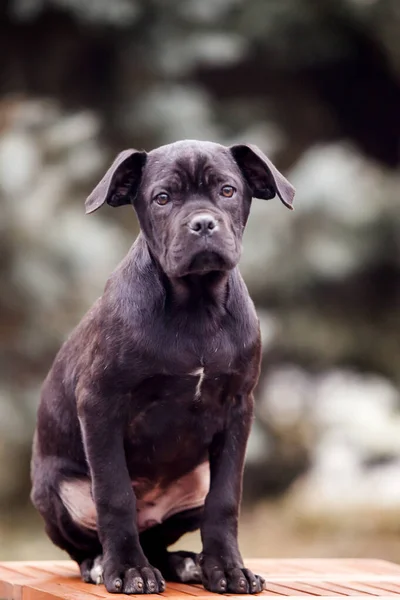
(240, 305)
(80, 346)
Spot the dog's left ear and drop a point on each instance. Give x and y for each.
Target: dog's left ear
(120, 184)
(261, 175)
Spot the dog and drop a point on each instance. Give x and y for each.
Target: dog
(145, 414)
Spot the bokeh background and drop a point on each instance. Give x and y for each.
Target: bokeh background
(316, 84)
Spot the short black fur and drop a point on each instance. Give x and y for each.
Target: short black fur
(158, 377)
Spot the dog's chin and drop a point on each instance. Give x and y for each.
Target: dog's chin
(203, 263)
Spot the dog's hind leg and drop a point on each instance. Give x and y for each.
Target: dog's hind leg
(179, 566)
(82, 544)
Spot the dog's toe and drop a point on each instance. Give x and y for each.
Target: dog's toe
(237, 582)
(133, 582)
(85, 567)
(96, 572)
(150, 580)
(256, 583)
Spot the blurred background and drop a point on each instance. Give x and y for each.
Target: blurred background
(316, 84)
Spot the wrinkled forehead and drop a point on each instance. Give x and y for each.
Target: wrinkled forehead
(191, 164)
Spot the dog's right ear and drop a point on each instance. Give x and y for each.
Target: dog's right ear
(120, 184)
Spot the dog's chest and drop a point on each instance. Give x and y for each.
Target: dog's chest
(179, 416)
(184, 399)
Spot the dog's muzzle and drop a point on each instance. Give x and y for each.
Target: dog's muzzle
(204, 241)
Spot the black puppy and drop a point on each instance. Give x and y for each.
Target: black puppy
(145, 414)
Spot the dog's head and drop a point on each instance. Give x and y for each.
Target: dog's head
(192, 200)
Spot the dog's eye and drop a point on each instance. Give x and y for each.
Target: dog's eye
(162, 198)
(227, 191)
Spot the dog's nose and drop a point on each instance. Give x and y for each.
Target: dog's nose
(203, 224)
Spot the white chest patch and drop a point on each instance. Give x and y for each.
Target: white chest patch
(201, 375)
(153, 507)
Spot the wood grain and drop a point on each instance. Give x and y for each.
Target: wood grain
(289, 578)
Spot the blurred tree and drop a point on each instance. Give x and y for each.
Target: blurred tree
(314, 83)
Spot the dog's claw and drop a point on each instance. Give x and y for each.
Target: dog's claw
(162, 585)
(117, 584)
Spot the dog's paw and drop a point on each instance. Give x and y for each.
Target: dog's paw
(182, 566)
(219, 579)
(92, 570)
(134, 580)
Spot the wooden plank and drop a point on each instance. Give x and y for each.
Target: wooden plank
(341, 590)
(293, 578)
(13, 580)
(323, 566)
(8, 590)
(333, 570)
(282, 590)
(54, 568)
(191, 590)
(360, 586)
(386, 585)
(310, 589)
(54, 591)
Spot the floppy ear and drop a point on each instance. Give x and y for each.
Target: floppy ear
(261, 175)
(120, 184)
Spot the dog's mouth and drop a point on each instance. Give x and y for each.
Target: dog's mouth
(202, 257)
(205, 262)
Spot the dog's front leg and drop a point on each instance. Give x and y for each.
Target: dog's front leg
(125, 567)
(221, 561)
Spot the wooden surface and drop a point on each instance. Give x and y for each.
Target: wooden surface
(330, 578)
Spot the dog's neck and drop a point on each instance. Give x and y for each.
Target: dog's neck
(195, 291)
